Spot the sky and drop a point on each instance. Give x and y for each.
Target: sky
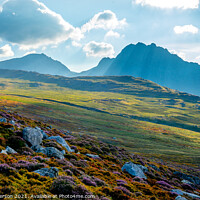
(79, 33)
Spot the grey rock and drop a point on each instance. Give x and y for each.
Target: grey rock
(193, 179)
(63, 152)
(143, 168)
(134, 170)
(12, 122)
(191, 195)
(177, 191)
(4, 151)
(187, 182)
(61, 141)
(49, 151)
(32, 135)
(9, 150)
(4, 120)
(45, 136)
(180, 198)
(51, 172)
(37, 148)
(93, 156)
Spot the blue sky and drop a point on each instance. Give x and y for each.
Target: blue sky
(81, 32)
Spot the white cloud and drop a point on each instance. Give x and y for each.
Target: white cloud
(186, 29)
(76, 44)
(29, 52)
(169, 4)
(180, 54)
(104, 20)
(6, 51)
(31, 24)
(96, 49)
(112, 34)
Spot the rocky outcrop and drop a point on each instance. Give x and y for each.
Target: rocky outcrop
(134, 170)
(45, 136)
(193, 179)
(49, 151)
(51, 172)
(32, 135)
(180, 192)
(180, 198)
(93, 156)
(62, 142)
(8, 150)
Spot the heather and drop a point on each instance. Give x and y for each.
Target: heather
(79, 172)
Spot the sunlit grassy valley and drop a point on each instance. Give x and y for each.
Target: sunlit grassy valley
(133, 113)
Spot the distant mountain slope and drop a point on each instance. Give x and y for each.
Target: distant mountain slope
(156, 64)
(38, 63)
(100, 69)
(117, 84)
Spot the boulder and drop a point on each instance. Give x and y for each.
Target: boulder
(4, 151)
(49, 151)
(12, 122)
(10, 150)
(193, 179)
(51, 172)
(180, 198)
(32, 135)
(4, 120)
(134, 170)
(180, 192)
(45, 136)
(62, 142)
(93, 156)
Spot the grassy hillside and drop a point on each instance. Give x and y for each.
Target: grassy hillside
(133, 113)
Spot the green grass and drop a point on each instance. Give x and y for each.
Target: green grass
(139, 122)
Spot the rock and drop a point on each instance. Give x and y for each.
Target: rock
(134, 170)
(63, 152)
(177, 191)
(37, 148)
(61, 141)
(180, 198)
(12, 122)
(143, 168)
(32, 135)
(51, 172)
(4, 120)
(193, 179)
(191, 195)
(4, 151)
(10, 150)
(49, 151)
(45, 136)
(93, 156)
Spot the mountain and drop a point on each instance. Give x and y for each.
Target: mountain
(100, 69)
(152, 63)
(38, 63)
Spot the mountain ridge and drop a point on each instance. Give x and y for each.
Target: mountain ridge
(40, 63)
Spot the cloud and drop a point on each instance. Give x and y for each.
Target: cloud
(104, 20)
(96, 49)
(169, 4)
(180, 54)
(76, 44)
(31, 24)
(6, 51)
(29, 52)
(112, 34)
(186, 29)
